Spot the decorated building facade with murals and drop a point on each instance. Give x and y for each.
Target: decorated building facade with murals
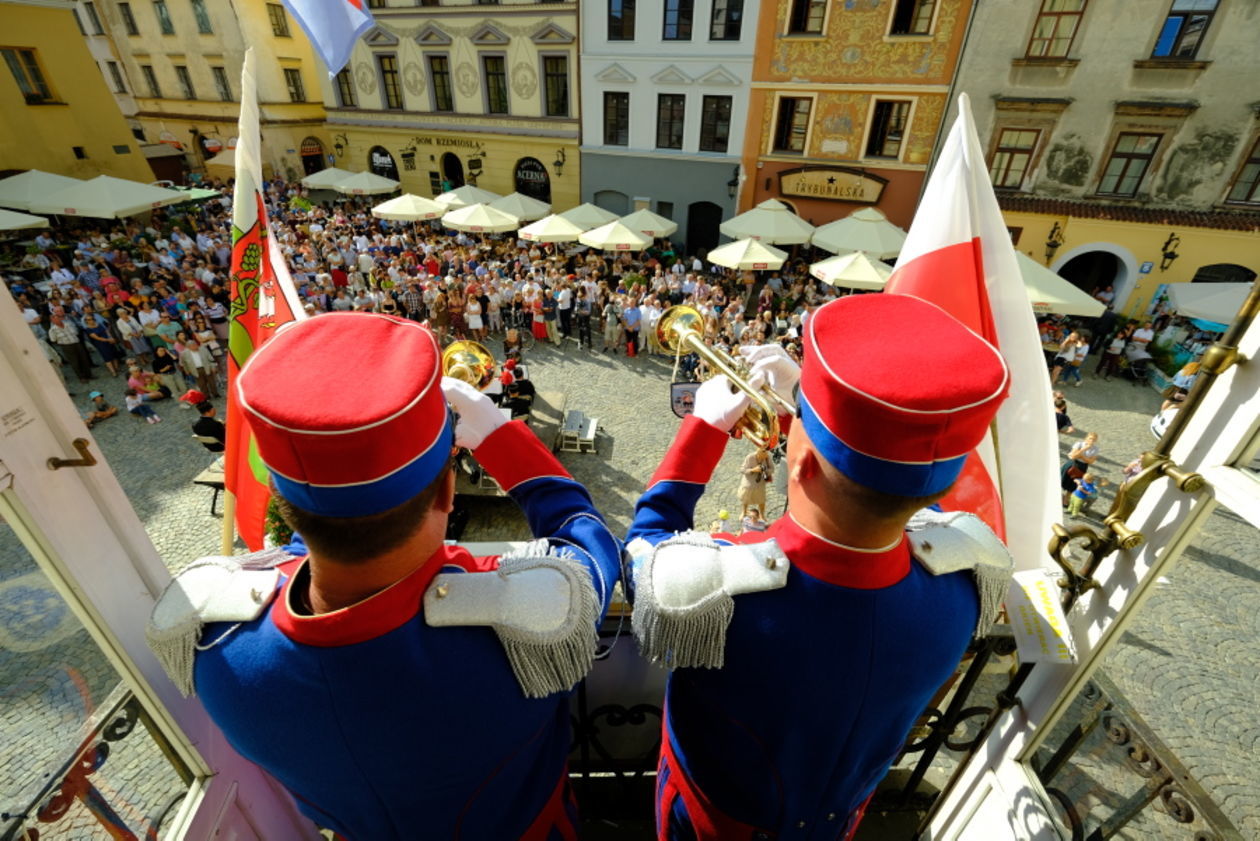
(1121, 139)
(441, 96)
(846, 103)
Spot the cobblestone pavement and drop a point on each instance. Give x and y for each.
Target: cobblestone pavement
(1189, 664)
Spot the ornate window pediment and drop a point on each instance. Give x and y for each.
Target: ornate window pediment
(550, 33)
(718, 76)
(615, 73)
(672, 76)
(378, 37)
(432, 36)
(489, 35)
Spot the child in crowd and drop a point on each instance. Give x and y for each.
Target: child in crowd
(137, 407)
(100, 409)
(1061, 418)
(753, 520)
(1086, 491)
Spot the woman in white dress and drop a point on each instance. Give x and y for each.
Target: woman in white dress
(472, 315)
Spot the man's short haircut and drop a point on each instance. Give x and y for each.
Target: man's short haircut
(357, 540)
(204, 406)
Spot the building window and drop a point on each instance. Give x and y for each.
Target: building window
(93, 19)
(621, 20)
(163, 17)
(185, 82)
(1128, 163)
(440, 73)
(495, 68)
(390, 89)
(1010, 160)
(678, 14)
(116, 76)
(888, 127)
(79, 152)
(202, 17)
(616, 118)
(376, 4)
(1055, 28)
(806, 17)
(1246, 189)
(556, 85)
(724, 24)
(792, 124)
(221, 83)
(912, 17)
(279, 20)
(671, 111)
(293, 81)
(1183, 31)
(150, 81)
(345, 89)
(428, 3)
(128, 19)
(24, 66)
(715, 123)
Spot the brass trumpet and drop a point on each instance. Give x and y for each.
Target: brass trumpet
(680, 330)
(470, 362)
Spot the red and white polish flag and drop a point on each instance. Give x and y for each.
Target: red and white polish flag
(333, 26)
(958, 255)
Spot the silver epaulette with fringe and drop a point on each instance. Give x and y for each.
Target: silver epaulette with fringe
(683, 595)
(215, 589)
(542, 606)
(953, 541)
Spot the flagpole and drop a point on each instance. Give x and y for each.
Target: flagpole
(228, 535)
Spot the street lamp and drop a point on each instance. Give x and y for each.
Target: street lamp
(558, 163)
(1053, 241)
(340, 142)
(1169, 249)
(732, 186)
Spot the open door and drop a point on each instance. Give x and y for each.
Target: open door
(97, 742)
(1011, 787)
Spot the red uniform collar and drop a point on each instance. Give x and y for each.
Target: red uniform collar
(843, 566)
(376, 615)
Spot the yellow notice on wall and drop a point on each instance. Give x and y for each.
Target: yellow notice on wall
(1037, 618)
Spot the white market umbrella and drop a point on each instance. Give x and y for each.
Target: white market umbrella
(466, 195)
(771, 221)
(1217, 302)
(106, 197)
(521, 206)
(25, 187)
(747, 254)
(553, 228)
(226, 158)
(408, 208)
(652, 224)
(365, 184)
(854, 271)
(12, 221)
(615, 236)
(480, 219)
(322, 180)
(1049, 292)
(588, 216)
(862, 230)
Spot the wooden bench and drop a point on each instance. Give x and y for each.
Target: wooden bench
(577, 433)
(212, 477)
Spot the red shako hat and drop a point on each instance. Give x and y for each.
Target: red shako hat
(348, 412)
(895, 392)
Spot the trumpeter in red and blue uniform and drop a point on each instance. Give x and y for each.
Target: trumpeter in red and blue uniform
(802, 656)
(398, 687)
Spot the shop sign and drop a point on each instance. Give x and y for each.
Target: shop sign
(834, 183)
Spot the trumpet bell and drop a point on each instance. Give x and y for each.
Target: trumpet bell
(470, 362)
(675, 323)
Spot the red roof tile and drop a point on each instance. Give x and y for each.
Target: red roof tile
(1225, 220)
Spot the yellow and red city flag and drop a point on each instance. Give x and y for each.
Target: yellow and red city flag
(958, 255)
(263, 299)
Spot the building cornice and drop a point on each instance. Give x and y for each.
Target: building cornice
(430, 121)
(1219, 219)
(850, 86)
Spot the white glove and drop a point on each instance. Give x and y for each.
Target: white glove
(717, 405)
(771, 364)
(478, 416)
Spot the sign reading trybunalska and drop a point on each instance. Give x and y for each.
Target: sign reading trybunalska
(837, 183)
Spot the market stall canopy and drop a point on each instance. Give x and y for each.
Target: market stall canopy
(408, 208)
(12, 221)
(854, 270)
(1048, 292)
(20, 190)
(466, 195)
(226, 158)
(197, 193)
(365, 184)
(588, 216)
(480, 219)
(748, 255)
(106, 197)
(615, 237)
(863, 230)
(553, 228)
(325, 178)
(652, 224)
(522, 206)
(1218, 302)
(771, 221)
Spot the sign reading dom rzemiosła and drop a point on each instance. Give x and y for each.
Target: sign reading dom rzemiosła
(836, 183)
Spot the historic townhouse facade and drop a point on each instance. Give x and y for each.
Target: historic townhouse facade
(847, 102)
(439, 96)
(1123, 137)
(665, 93)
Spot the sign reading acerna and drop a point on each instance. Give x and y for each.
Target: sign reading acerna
(835, 183)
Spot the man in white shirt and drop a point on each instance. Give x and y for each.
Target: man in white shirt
(564, 309)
